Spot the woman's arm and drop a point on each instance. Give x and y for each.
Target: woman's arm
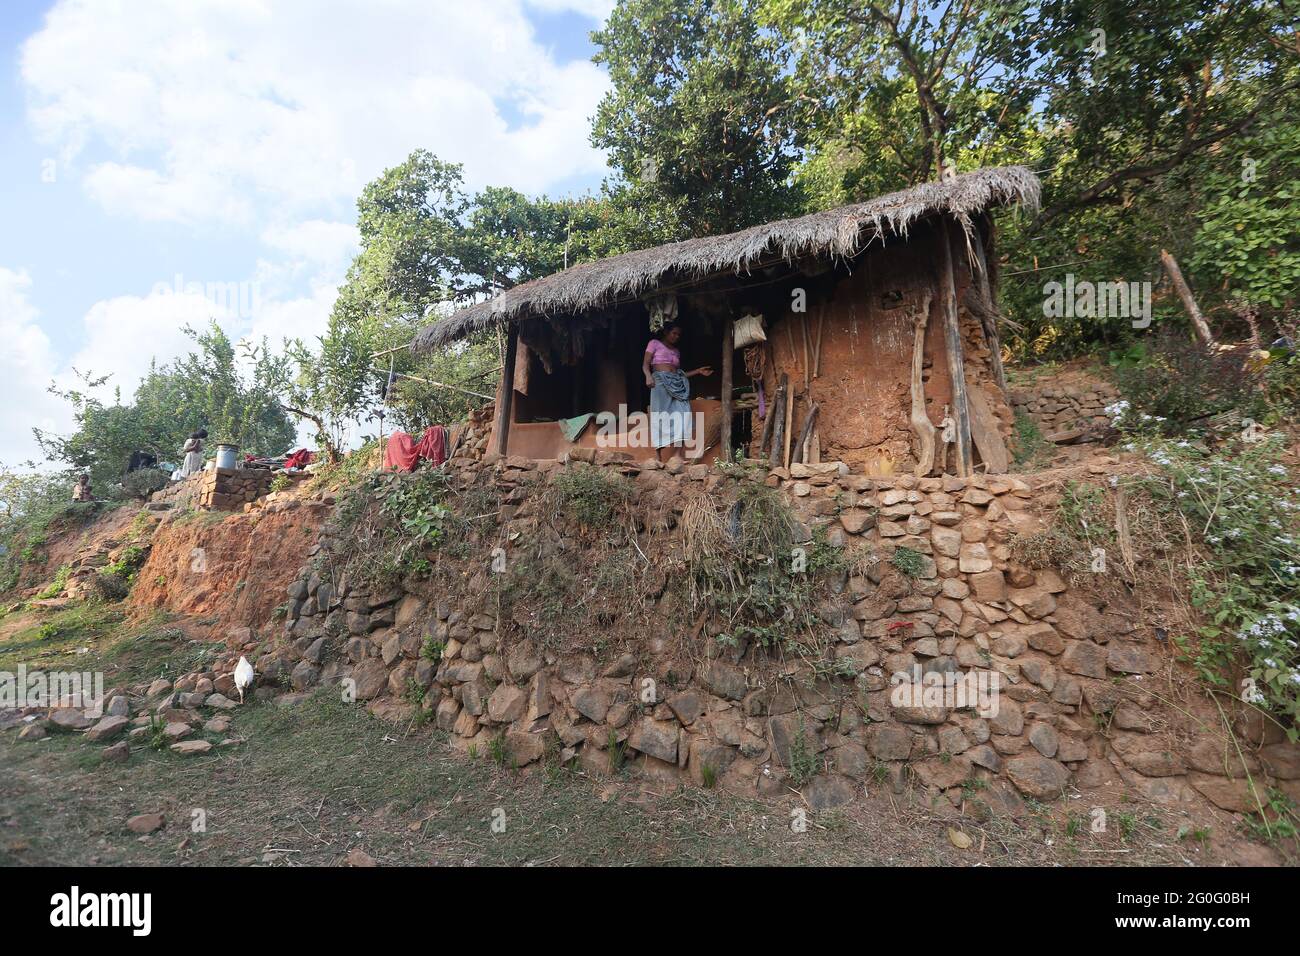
(645, 367)
(702, 370)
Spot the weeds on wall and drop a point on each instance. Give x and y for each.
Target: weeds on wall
(392, 522)
(746, 561)
(1235, 507)
(597, 499)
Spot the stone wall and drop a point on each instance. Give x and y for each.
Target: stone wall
(219, 489)
(1065, 403)
(1075, 704)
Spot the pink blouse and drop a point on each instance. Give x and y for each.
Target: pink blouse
(661, 354)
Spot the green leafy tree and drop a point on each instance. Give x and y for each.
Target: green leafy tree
(428, 247)
(904, 88)
(232, 390)
(701, 121)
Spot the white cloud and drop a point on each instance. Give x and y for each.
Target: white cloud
(315, 244)
(220, 111)
(27, 364)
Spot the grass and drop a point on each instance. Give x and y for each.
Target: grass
(321, 777)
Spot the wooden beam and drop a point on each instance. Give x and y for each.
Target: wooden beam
(1188, 300)
(956, 363)
(506, 393)
(728, 354)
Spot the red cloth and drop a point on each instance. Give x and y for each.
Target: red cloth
(300, 459)
(402, 451)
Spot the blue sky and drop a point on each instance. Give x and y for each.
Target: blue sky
(165, 161)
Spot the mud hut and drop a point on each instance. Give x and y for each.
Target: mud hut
(881, 337)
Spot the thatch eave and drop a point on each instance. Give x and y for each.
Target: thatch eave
(835, 233)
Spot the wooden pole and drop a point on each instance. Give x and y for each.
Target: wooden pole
(991, 325)
(1185, 294)
(789, 421)
(809, 422)
(777, 412)
(920, 418)
(956, 364)
(505, 393)
(728, 354)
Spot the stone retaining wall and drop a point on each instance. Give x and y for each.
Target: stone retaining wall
(1074, 705)
(1066, 402)
(220, 489)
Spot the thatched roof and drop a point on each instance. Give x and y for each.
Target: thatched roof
(841, 232)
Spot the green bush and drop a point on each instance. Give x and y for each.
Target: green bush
(143, 482)
(1240, 504)
(594, 497)
(1178, 385)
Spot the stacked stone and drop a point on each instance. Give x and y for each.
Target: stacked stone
(220, 489)
(1065, 668)
(1065, 403)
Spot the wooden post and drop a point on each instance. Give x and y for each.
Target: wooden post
(991, 325)
(506, 393)
(956, 364)
(1185, 294)
(777, 412)
(920, 418)
(728, 353)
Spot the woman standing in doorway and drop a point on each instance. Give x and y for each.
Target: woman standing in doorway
(670, 392)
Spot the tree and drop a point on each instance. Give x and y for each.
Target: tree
(701, 121)
(230, 390)
(903, 88)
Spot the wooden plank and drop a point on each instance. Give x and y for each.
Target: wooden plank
(984, 433)
(506, 393)
(920, 418)
(728, 354)
(956, 363)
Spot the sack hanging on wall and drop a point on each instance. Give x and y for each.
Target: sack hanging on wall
(748, 330)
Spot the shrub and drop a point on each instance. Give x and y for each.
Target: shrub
(143, 482)
(1027, 441)
(1179, 384)
(1246, 578)
(594, 497)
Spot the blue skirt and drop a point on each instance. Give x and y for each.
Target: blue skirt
(670, 409)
